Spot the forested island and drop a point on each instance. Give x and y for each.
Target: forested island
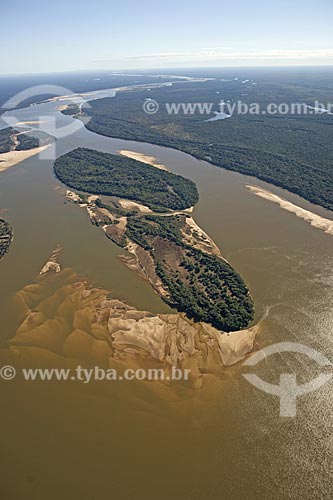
(291, 151)
(181, 262)
(6, 236)
(101, 173)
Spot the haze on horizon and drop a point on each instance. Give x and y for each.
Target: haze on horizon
(112, 35)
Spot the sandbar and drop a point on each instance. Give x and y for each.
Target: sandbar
(314, 220)
(12, 158)
(150, 160)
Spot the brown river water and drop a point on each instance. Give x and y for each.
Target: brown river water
(135, 440)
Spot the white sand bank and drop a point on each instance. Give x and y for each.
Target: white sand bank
(133, 205)
(314, 220)
(12, 158)
(150, 160)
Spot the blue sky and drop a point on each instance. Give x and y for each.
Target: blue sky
(43, 36)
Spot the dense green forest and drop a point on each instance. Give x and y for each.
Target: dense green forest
(288, 150)
(203, 286)
(101, 173)
(6, 235)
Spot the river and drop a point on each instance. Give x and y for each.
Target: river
(228, 442)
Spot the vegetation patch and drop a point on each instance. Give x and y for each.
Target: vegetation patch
(101, 173)
(6, 236)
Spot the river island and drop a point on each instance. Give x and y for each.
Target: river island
(148, 211)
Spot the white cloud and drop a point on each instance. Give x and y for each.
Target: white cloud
(228, 55)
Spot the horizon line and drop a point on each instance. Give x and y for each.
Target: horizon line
(168, 69)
